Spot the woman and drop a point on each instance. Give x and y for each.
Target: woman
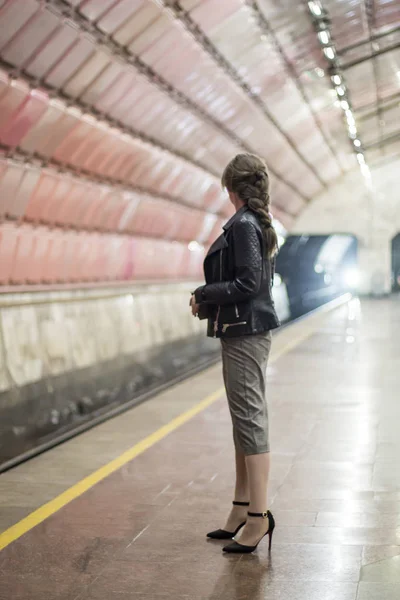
(237, 300)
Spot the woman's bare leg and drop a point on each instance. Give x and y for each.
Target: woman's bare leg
(238, 514)
(257, 467)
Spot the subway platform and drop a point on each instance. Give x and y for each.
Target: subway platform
(121, 512)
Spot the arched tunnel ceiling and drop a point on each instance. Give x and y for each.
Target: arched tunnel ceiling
(118, 116)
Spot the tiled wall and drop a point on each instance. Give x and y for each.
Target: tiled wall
(43, 335)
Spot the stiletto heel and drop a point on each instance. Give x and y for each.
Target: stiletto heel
(241, 548)
(270, 533)
(222, 534)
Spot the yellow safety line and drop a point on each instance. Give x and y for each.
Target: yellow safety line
(45, 511)
(85, 484)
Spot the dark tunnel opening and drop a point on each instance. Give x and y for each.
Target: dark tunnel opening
(317, 269)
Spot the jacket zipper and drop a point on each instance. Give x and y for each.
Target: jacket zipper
(219, 307)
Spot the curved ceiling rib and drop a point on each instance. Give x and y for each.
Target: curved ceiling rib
(114, 125)
(373, 38)
(267, 29)
(367, 36)
(97, 207)
(35, 82)
(208, 46)
(372, 55)
(20, 157)
(118, 116)
(240, 37)
(383, 141)
(61, 9)
(64, 160)
(62, 165)
(390, 103)
(228, 148)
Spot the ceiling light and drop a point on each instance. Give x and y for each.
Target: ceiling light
(350, 119)
(365, 171)
(345, 105)
(352, 131)
(324, 37)
(330, 53)
(361, 158)
(337, 80)
(320, 72)
(357, 143)
(315, 8)
(340, 90)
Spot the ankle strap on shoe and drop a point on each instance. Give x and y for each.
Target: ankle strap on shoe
(240, 503)
(264, 515)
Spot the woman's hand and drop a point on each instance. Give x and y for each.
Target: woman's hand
(195, 307)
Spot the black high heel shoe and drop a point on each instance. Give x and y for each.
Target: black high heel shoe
(241, 548)
(222, 534)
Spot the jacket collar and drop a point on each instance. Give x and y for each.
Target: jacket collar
(237, 215)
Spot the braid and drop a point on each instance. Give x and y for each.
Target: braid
(246, 175)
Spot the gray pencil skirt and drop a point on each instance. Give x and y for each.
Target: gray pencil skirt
(244, 361)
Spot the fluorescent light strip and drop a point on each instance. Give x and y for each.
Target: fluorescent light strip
(329, 53)
(365, 171)
(324, 37)
(352, 131)
(315, 8)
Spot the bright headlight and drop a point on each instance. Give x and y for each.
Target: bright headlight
(351, 277)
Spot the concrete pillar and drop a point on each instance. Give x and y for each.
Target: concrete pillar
(375, 254)
(375, 266)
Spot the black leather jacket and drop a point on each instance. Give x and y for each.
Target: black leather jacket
(237, 298)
